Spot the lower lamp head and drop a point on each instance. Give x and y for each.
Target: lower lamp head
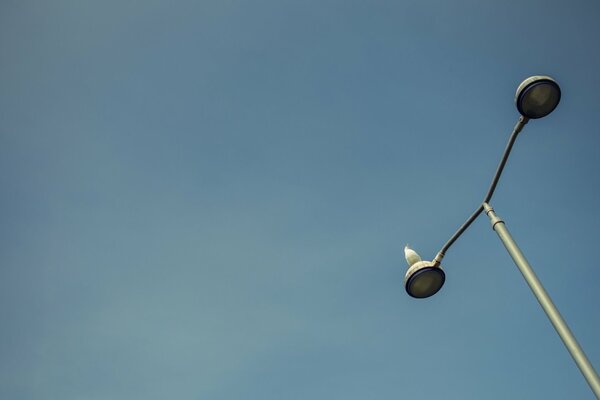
(424, 279)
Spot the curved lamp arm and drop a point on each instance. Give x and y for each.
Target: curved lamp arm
(518, 127)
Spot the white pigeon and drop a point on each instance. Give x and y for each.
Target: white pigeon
(411, 256)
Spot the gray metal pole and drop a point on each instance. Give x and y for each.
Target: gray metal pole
(544, 299)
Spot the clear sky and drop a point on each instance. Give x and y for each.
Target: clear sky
(209, 199)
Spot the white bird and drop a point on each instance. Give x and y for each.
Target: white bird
(411, 256)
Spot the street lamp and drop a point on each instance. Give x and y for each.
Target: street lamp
(536, 97)
(424, 279)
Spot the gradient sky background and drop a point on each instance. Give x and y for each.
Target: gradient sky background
(209, 200)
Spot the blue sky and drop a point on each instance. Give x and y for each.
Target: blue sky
(209, 200)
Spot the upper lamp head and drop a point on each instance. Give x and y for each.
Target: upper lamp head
(424, 279)
(537, 96)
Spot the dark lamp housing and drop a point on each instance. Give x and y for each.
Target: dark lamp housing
(424, 279)
(537, 96)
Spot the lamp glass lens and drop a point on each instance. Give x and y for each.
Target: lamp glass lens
(539, 100)
(426, 283)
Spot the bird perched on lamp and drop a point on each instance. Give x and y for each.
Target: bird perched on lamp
(411, 255)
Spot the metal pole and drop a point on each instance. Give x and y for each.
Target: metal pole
(544, 299)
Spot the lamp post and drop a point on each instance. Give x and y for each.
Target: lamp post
(536, 97)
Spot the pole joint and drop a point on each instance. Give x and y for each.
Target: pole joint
(521, 123)
(494, 219)
(438, 259)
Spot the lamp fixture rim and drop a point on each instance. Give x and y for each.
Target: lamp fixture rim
(530, 83)
(419, 268)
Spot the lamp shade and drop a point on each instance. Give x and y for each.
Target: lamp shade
(424, 279)
(537, 96)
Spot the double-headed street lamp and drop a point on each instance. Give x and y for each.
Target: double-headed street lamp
(536, 97)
